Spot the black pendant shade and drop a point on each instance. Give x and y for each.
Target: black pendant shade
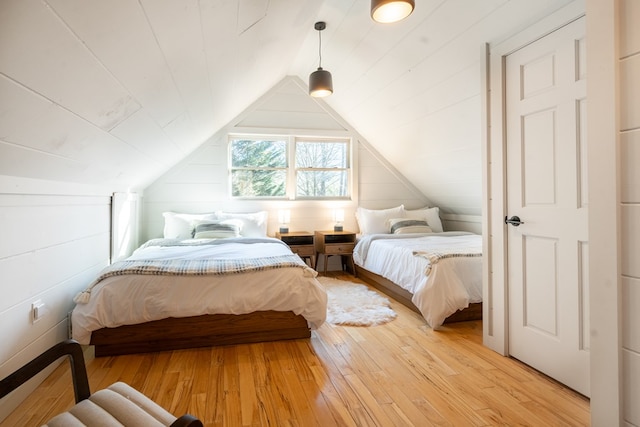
(320, 83)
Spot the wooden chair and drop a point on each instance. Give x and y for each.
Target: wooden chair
(119, 404)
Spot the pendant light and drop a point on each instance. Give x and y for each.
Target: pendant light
(320, 81)
(387, 11)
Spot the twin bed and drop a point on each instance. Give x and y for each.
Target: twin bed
(216, 279)
(439, 275)
(408, 255)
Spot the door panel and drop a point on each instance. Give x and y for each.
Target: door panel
(539, 158)
(540, 284)
(546, 187)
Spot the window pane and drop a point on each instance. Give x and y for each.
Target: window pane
(258, 183)
(322, 183)
(258, 153)
(321, 155)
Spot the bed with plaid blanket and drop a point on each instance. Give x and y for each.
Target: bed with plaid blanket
(167, 278)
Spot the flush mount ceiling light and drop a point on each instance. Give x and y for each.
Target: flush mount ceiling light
(320, 81)
(387, 11)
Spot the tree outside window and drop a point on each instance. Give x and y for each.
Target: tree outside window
(260, 167)
(321, 169)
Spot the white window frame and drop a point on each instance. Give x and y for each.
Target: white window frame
(292, 171)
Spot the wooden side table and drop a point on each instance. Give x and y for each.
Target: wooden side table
(301, 243)
(335, 243)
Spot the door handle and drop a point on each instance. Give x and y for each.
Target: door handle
(514, 220)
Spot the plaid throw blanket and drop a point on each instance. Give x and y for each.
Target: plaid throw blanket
(434, 256)
(186, 267)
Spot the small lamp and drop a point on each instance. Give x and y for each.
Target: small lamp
(338, 217)
(284, 216)
(388, 11)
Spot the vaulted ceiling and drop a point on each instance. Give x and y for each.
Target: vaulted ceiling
(115, 92)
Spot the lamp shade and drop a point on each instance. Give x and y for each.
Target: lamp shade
(387, 11)
(284, 216)
(320, 83)
(338, 217)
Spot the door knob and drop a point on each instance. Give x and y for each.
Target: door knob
(514, 220)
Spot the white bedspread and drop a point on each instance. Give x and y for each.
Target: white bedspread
(437, 290)
(131, 299)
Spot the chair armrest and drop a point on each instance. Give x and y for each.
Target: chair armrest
(69, 348)
(187, 421)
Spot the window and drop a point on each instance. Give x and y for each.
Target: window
(321, 168)
(258, 167)
(289, 167)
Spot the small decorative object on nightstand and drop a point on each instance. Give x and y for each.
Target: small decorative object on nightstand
(284, 216)
(335, 243)
(301, 243)
(338, 217)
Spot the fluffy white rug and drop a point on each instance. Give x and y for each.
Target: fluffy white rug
(355, 304)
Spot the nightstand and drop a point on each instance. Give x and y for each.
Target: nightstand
(301, 243)
(335, 243)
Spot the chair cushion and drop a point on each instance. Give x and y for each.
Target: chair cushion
(117, 405)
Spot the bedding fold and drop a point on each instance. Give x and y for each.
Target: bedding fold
(196, 267)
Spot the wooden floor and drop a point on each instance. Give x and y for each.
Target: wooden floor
(398, 374)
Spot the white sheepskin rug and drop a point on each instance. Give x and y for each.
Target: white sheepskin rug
(355, 304)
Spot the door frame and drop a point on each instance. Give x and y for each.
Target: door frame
(604, 269)
(495, 297)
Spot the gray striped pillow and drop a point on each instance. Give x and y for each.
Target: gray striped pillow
(407, 225)
(216, 229)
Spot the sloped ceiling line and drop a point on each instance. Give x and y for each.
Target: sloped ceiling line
(112, 124)
(250, 12)
(173, 79)
(56, 105)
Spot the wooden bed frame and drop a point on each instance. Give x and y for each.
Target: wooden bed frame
(199, 331)
(473, 312)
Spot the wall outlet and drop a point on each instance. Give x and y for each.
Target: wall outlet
(38, 310)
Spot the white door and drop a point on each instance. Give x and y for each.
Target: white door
(546, 189)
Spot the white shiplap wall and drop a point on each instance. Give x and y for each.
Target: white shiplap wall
(55, 239)
(200, 183)
(629, 66)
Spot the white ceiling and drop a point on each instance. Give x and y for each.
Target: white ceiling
(115, 92)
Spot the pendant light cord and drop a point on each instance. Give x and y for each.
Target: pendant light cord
(320, 48)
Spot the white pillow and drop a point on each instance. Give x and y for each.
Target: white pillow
(180, 225)
(431, 215)
(218, 229)
(374, 221)
(408, 225)
(253, 224)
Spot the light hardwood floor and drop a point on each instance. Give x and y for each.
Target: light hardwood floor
(398, 374)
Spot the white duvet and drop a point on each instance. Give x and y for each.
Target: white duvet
(437, 290)
(132, 299)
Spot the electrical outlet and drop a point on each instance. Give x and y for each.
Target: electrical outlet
(38, 310)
